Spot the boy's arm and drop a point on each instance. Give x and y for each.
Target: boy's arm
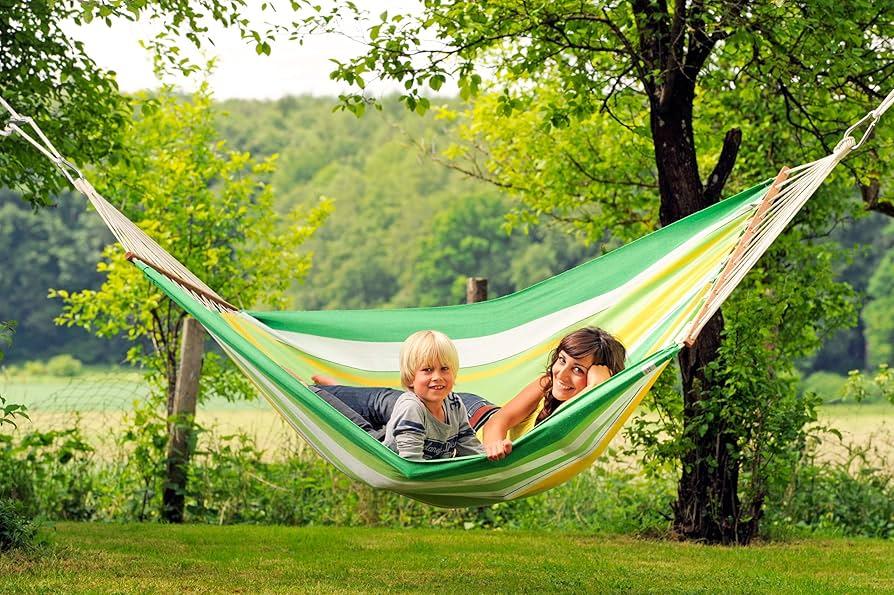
(408, 430)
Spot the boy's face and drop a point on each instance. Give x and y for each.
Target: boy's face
(433, 382)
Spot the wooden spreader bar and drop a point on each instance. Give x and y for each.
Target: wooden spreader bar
(176, 279)
(737, 254)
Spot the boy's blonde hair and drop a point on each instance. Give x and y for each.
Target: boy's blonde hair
(426, 348)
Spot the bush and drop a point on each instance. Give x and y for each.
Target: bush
(56, 475)
(828, 386)
(64, 365)
(17, 530)
(852, 496)
(34, 368)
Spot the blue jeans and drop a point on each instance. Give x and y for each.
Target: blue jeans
(371, 407)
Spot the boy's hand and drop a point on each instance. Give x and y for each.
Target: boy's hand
(498, 450)
(597, 374)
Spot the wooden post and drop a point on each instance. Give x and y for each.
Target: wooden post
(476, 290)
(180, 424)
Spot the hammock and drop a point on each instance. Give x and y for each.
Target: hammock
(654, 294)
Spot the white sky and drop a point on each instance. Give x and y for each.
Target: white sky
(291, 69)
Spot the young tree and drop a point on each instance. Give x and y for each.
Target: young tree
(643, 63)
(212, 210)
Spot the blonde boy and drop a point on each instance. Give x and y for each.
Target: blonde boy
(429, 421)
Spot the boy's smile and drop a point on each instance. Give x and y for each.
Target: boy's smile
(432, 383)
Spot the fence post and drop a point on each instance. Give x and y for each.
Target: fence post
(180, 425)
(476, 290)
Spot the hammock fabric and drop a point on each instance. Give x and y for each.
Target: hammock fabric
(654, 294)
(645, 293)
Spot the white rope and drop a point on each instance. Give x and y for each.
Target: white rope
(135, 240)
(794, 192)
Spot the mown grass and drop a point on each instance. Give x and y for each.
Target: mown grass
(159, 558)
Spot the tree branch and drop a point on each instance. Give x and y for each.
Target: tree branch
(870, 194)
(726, 161)
(579, 167)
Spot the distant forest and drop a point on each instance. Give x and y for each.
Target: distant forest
(406, 231)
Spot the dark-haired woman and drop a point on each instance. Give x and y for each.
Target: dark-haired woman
(581, 360)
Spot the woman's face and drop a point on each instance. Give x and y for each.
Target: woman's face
(570, 375)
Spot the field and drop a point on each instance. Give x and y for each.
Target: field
(94, 557)
(101, 398)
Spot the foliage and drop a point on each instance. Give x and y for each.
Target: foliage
(591, 177)
(850, 496)
(56, 247)
(18, 531)
(210, 208)
(137, 477)
(382, 190)
(828, 386)
(389, 206)
(864, 244)
(466, 240)
(64, 365)
(8, 412)
(755, 393)
(59, 476)
(864, 387)
(49, 77)
(877, 314)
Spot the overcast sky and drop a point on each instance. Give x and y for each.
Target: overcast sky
(291, 69)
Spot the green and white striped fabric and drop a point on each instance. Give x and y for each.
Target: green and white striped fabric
(645, 293)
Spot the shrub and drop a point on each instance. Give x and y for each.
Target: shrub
(17, 530)
(34, 368)
(828, 386)
(851, 496)
(64, 365)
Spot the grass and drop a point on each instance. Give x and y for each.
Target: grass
(165, 558)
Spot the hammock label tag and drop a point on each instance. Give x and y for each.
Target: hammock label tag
(648, 368)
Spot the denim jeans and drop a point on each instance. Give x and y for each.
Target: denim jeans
(373, 405)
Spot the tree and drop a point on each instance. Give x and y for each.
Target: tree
(877, 315)
(57, 247)
(49, 77)
(212, 209)
(643, 64)
(466, 239)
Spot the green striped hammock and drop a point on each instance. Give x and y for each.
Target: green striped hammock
(654, 294)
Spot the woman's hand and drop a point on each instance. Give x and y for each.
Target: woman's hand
(597, 374)
(498, 450)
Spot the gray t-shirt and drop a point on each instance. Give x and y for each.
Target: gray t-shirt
(415, 434)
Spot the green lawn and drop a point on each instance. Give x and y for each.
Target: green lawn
(160, 558)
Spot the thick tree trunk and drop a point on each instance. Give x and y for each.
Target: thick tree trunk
(180, 421)
(707, 494)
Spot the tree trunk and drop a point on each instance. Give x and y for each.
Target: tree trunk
(476, 290)
(707, 503)
(180, 421)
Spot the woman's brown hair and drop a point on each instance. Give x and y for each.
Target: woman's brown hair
(606, 350)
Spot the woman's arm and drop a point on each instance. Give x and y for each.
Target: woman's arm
(496, 445)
